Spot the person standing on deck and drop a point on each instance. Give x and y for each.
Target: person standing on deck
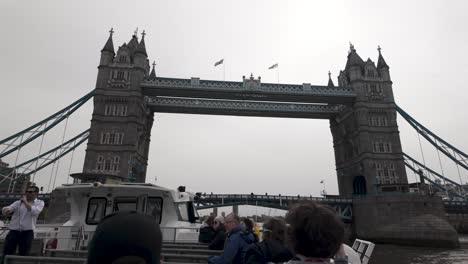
(24, 213)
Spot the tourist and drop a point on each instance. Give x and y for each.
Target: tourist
(220, 234)
(126, 237)
(207, 232)
(24, 213)
(236, 244)
(315, 234)
(273, 247)
(249, 227)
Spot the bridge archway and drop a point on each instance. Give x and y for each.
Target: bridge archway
(359, 185)
(361, 111)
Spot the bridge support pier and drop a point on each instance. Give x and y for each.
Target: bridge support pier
(235, 209)
(415, 220)
(215, 211)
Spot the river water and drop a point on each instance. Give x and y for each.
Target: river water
(391, 254)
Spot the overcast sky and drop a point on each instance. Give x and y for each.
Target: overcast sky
(51, 50)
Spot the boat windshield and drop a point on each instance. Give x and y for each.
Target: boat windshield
(97, 207)
(187, 212)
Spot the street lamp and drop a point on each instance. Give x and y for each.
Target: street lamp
(323, 192)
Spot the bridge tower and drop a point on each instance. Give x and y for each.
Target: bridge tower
(121, 123)
(366, 139)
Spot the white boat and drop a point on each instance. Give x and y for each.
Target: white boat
(90, 202)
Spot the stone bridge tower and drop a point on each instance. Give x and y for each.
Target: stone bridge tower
(366, 139)
(121, 123)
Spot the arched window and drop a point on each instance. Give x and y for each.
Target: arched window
(359, 185)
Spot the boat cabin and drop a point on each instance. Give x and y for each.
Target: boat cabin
(90, 202)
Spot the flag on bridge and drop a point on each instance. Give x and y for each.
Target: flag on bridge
(273, 66)
(219, 62)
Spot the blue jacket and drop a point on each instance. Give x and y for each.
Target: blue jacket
(236, 245)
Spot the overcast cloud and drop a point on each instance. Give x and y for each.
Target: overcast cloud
(51, 50)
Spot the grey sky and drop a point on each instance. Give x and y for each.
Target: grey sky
(51, 51)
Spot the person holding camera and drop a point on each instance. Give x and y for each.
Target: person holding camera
(24, 213)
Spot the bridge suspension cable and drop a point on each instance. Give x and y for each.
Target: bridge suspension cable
(27, 168)
(419, 169)
(458, 156)
(18, 140)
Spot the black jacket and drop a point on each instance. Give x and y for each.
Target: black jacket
(267, 251)
(218, 240)
(206, 235)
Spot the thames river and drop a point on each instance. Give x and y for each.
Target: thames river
(391, 254)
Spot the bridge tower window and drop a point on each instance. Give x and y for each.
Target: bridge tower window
(375, 119)
(386, 173)
(99, 164)
(107, 165)
(115, 110)
(115, 163)
(112, 138)
(381, 147)
(120, 75)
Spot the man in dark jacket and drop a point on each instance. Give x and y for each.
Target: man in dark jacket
(236, 243)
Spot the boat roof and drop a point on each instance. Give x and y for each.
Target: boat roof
(123, 185)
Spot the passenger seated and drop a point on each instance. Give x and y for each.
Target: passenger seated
(126, 237)
(236, 243)
(207, 231)
(273, 247)
(315, 234)
(249, 227)
(220, 234)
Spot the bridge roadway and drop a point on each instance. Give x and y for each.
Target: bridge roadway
(343, 206)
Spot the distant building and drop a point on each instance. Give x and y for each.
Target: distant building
(9, 185)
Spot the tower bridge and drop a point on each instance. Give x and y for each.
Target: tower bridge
(361, 109)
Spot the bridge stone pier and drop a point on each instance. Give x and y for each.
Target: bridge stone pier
(361, 110)
(404, 219)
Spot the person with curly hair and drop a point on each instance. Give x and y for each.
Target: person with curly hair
(315, 234)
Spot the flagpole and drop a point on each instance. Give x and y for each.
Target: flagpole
(277, 72)
(224, 71)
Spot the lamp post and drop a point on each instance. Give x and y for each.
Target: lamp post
(324, 192)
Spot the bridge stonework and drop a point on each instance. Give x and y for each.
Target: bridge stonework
(366, 139)
(121, 125)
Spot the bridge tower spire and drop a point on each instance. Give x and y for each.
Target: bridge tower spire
(107, 52)
(120, 131)
(366, 139)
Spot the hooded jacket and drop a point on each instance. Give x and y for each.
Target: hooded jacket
(267, 251)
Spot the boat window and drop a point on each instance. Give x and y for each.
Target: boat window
(187, 212)
(125, 204)
(183, 211)
(154, 207)
(96, 210)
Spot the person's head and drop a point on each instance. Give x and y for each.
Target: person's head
(210, 220)
(32, 192)
(218, 223)
(126, 237)
(274, 229)
(247, 223)
(231, 221)
(314, 230)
